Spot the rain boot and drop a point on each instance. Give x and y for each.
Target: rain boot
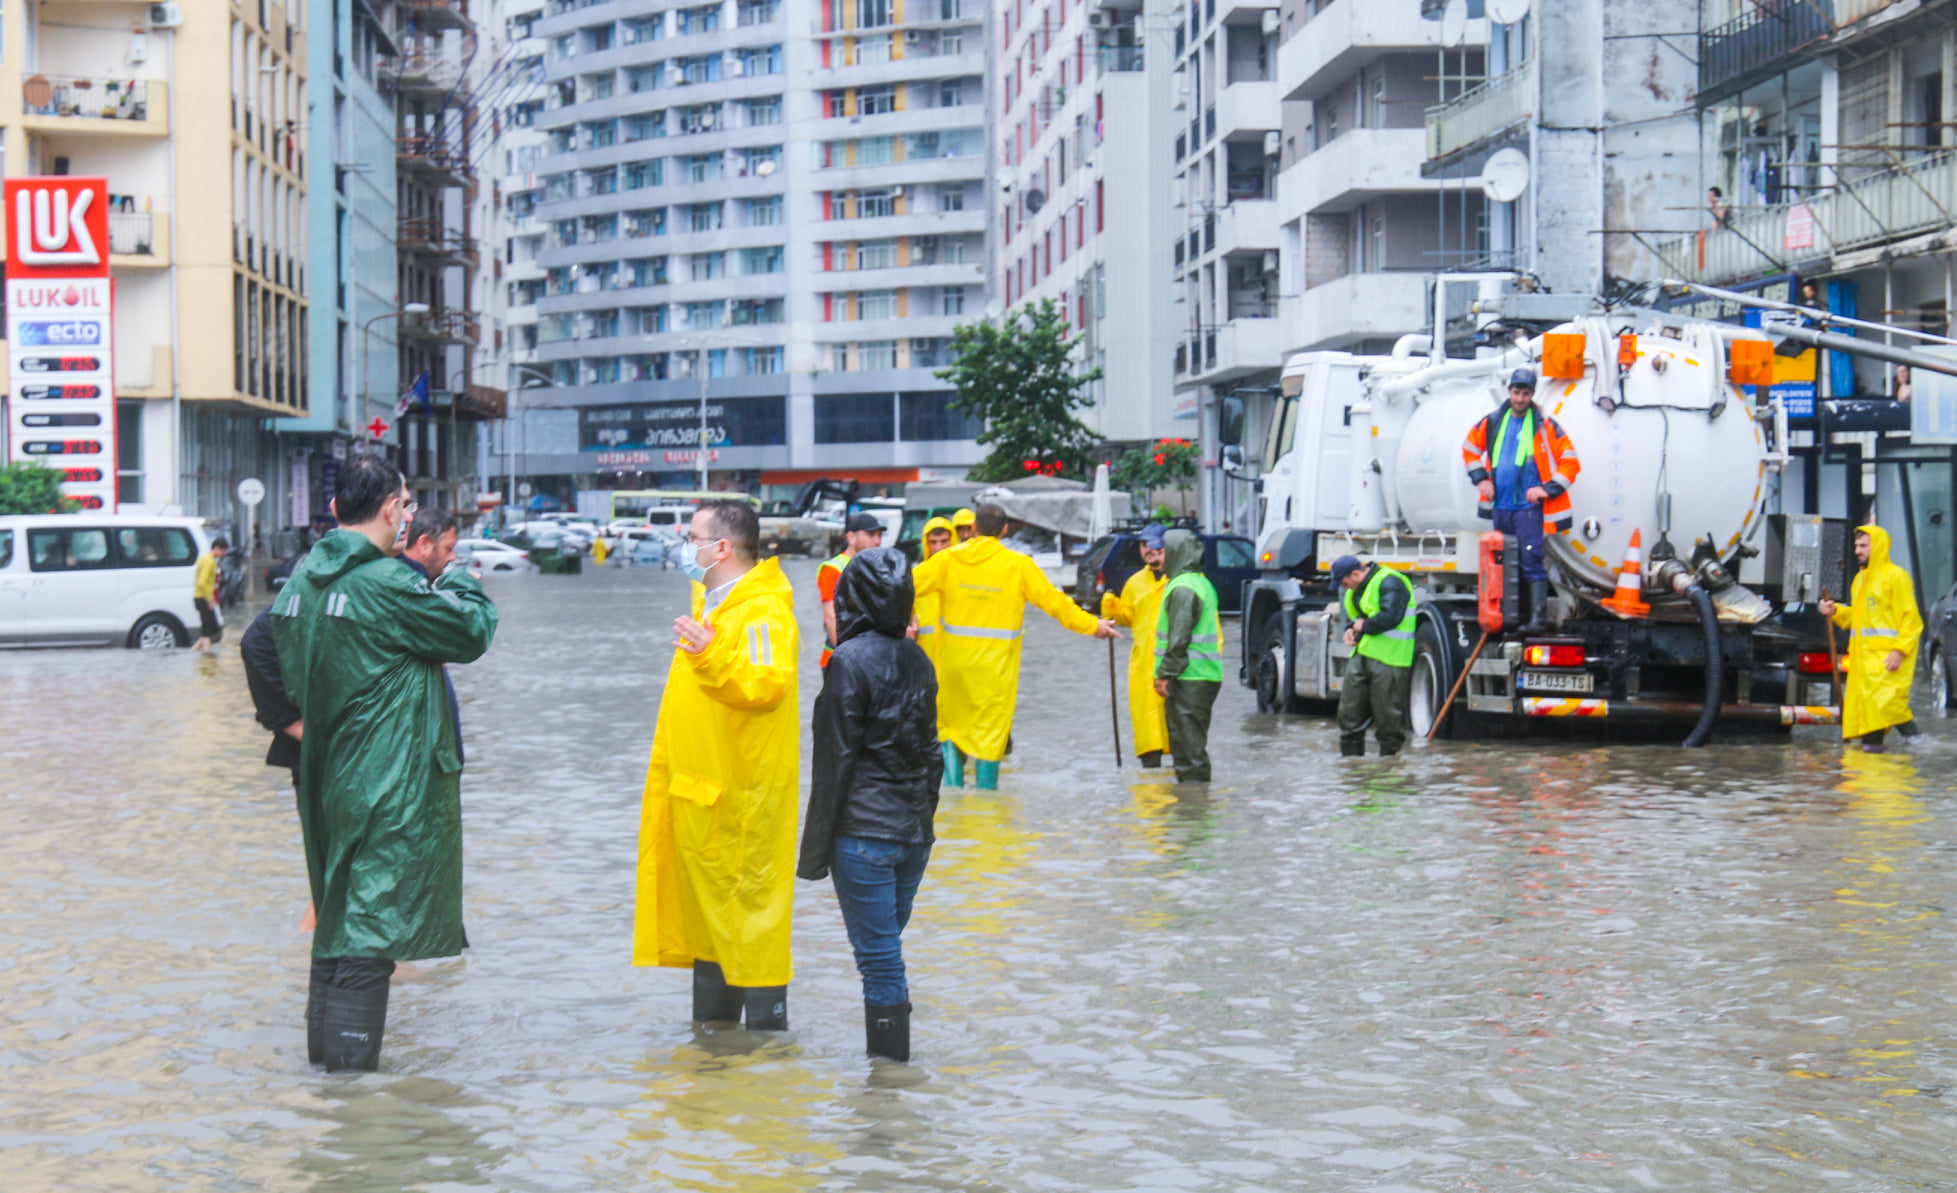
(713, 999)
(315, 1005)
(887, 1031)
(351, 1025)
(985, 775)
(954, 765)
(1352, 749)
(1152, 760)
(767, 1008)
(1536, 595)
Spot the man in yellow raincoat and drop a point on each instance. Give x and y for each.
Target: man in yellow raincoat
(983, 590)
(1137, 608)
(964, 524)
(1881, 616)
(716, 878)
(937, 537)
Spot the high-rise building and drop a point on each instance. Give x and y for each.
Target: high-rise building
(774, 210)
(193, 116)
(1085, 212)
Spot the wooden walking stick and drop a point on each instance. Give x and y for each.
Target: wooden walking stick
(1834, 660)
(1114, 706)
(1458, 681)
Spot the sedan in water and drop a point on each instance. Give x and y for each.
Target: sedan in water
(491, 556)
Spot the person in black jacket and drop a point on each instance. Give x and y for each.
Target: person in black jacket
(275, 710)
(874, 789)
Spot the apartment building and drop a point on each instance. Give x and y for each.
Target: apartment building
(193, 120)
(1083, 150)
(772, 209)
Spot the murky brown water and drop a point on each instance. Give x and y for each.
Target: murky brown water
(1501, 967)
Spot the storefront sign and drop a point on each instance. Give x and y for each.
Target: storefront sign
(731, 422)
(60, 332)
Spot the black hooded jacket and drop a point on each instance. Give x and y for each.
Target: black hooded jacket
(877, 766)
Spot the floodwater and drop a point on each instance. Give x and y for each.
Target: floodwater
(1512, 966)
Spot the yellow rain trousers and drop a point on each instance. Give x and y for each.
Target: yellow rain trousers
(983, 590)
(716, 875)
(1881, 616)
(925, 611)
(1137, 607)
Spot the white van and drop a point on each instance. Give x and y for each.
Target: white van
(98, 580)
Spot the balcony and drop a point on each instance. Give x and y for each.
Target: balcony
(430, 241)
(1356, 307)
(1232, 350)
(432, 16)
(433, 157)
(1483, 113)
(442, 327)
(139, 239)
(431, 74)
(1246, 225)
(1247, 110)
(1326, 50)
(1761, 42)
(94, 106)
(1910, 199)
(1361, 164)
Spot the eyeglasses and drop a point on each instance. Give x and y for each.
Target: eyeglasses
(699, 542)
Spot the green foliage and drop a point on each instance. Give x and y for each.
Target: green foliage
(30, 488)
(1019, 376)
(1166, 464)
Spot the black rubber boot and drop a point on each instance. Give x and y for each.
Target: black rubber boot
(315, 1004)
(1152, 760)
(351, 1025)
(714, 1001)
(887, 1031)
(767, 1008)
(1352, 749)
(1535, 594)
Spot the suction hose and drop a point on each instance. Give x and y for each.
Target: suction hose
(1715, 666)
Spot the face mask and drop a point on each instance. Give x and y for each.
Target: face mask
(690, 564)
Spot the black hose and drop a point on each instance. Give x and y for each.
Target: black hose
(1715, 666)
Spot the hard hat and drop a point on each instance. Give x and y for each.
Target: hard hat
(1526, 378)
(964, 518)
(1342, 567)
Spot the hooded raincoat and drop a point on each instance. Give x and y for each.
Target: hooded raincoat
(1881, 616)
(928, 633)
(983, 590)
(361, 642)
(716, 878)
(1137, 608)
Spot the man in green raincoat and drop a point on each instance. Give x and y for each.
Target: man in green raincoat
(362, 639)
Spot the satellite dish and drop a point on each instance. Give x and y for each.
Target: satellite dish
(765, 168)
(1454, 23)
(1035, 199)
(1505, 176)
(1507, 12)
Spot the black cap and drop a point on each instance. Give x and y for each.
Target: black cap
(1344, 566)
(1522, 379)
(863, 522)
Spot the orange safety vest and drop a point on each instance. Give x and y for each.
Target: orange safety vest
(1556, 464)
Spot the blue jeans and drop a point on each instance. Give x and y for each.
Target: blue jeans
(875, 883)
(1526, 526)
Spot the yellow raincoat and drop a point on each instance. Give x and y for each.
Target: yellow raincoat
(717, 826)
(926, 608)
(983, 590)
(1137, 607)
(1881, 615)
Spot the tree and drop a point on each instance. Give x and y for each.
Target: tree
(1164, 464)
(30, 488)
(1020, 378)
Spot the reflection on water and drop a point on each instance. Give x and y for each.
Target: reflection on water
(1494, 966)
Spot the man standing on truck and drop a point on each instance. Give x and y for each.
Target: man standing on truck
(1884, 625)
(860, 533)
(1522, 466)
(1379, 603)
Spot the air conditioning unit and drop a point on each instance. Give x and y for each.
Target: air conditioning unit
(737, 67)
(165, 16)
(897, 192)
(1270, 260)
(1100, 18)
(1273, 144)
(913, 36)
(1270, 21)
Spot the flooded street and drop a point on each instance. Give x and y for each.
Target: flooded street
(1484, 967)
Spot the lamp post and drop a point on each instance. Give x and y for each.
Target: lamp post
(366, 345)
(543, 378)
(699, 346)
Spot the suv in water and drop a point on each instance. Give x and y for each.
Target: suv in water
(1229, 560)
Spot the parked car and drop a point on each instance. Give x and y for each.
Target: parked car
(655, 546)
(491, 556)
(98, 580)
(1229, 560)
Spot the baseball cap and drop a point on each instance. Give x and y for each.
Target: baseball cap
(1523, 377)
(1344, 566)
(863, 522)
(1151, 536)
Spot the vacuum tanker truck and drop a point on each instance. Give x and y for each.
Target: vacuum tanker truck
(1680, 464)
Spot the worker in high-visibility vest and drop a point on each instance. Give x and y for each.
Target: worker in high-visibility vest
(860, 533)
(1188, 654)
(1378, 677)
(1138, 607)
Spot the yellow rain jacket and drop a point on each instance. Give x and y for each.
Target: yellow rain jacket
(983, 590)
(717, 825)
(1137, 607)
(926, 608)
(1881, 615)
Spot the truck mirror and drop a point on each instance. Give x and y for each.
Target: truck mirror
(1233, 458)
(1230, 421)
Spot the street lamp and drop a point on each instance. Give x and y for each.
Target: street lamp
(699, 345)
(366, 346)
(544, 381)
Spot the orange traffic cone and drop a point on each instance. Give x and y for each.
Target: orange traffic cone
(1628, 600)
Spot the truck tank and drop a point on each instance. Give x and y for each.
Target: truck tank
(1669, 423)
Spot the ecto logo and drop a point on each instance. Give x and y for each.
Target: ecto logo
(54, 226)
(63, 333)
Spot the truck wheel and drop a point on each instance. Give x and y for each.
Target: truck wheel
(1270, 677)
(1433, 676)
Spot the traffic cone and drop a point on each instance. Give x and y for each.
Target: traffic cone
(1628, 600)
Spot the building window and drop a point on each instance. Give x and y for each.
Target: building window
(752, 311)
(876, 354)
(951, 196)
(702, 314)
(639, 175)
(129, 452)
(928, 417)
(705, 267)
(876, 101)
(873, 50)
(762, 260)
(700, 118)
(763, 212)
(872, 205)
(954, 300)
(764, 111)
(951, 93)
(855, 418)
(704, 19)
(704, 167)
(645, 126)
(876, 254)
(703, 217)
(757, 12)
(877, 304)
(763, 361)
(871, 13)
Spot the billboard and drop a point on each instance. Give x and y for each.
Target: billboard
(60, 333)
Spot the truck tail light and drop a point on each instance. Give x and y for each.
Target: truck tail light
(1553, 654)
(1814, 662)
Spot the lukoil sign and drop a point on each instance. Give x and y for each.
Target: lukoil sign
(57, 227)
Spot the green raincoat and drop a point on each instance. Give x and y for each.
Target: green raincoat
(362, 638)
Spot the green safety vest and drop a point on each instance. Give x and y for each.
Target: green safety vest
(1395, 646)
(839, 563)
(1206, 644)
(1525, 443)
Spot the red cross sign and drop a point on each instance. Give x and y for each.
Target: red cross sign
(377, 428)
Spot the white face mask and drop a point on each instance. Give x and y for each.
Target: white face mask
(690, 562)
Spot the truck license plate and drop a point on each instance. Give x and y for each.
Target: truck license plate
(1552, 681)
